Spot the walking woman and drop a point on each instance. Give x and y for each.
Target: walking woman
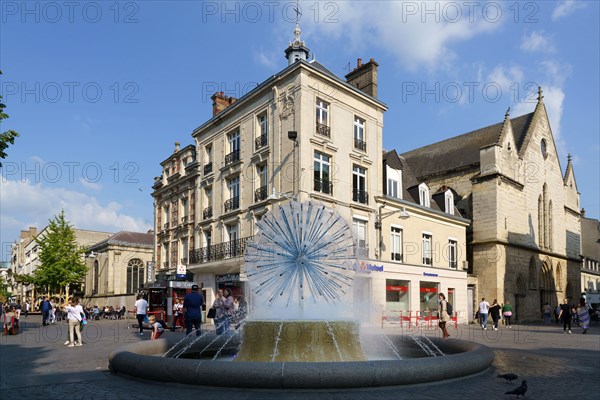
(495, 313)
(565, 316)
(584, 315)
(74, 316)
(507, 313)
(443, 314)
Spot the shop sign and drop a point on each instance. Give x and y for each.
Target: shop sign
(429, 274)
(150, 271)
(227, 278)
(428, 290)
(367, 268)
(396, 288)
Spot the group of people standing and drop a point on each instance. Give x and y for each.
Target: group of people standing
(582, 311)
(496, 311)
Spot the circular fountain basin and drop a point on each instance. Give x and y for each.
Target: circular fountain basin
(143, 360)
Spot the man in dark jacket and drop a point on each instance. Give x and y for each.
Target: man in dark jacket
(192, 305)
(45, 309)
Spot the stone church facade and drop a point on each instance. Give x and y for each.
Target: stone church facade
(524, 242)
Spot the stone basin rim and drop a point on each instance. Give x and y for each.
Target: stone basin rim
(139, 360)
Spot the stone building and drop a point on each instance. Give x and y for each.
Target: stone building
(590, 251)
(524, 243)
(306, 134)
(17, 263)
(117, 268)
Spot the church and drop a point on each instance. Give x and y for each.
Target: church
(524, 242)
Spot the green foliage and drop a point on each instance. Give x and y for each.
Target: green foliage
(61, 258)
(4, 293)
(7, 137)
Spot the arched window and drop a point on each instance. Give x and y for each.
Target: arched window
(532, 274)
(424, 195)
(559, 282)
(520, 286)
(96, 277)
(135, 275)
(569, 291)
(449, 197)
(540, 221)
(549, 226)
(545, 214)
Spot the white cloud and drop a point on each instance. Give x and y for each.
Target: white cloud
(537, 41)
(506, 77)
(90, 185)
(266, 60)
(566, 7)
(24, 203)
(413, 36)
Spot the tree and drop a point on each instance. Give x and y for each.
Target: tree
(7, 137)
(61, 258)
(4, 293)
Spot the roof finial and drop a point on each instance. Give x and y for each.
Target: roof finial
(569, 158)
(540, 95)
(507, 113)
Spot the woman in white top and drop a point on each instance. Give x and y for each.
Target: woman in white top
(74, 313)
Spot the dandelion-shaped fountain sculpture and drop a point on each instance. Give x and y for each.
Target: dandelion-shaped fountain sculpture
(300, 268)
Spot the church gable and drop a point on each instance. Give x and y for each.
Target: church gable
(570, 184)
(508, 153)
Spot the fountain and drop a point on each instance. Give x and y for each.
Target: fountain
(300, 332)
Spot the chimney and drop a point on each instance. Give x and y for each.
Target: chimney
(221, 102)
(583, 213)
(364, 77)
(177, 144)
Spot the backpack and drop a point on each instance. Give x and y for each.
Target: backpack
(162, 323)
(449, 309)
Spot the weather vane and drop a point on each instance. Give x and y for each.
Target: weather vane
(298, 12)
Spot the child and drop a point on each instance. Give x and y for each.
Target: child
(158, 327)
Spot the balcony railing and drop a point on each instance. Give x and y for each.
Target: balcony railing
(426, 261)
(360, 144)
(232, 204)
(207, 213)
(221, 251)
(232, 157)
(260, 194)
(453, 264)
(323, 186)
(260, 141)
(323, 130)
(208, 167)
(397, 257)
(360, 196)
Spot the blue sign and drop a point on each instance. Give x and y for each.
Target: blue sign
(428, 274)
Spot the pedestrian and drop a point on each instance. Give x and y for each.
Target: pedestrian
(177, 314)
(158, 327)
(547, 310)
(219, 312)
(52, 312)
(557, 313)
(507, 313)
(74, 316)
(583, 311)
(484, 308)
(192, 305)
(45, 309)
(27, 308)
(565, 316)
(495, 313)
(228, 308)
(444, 317)
(141, 311)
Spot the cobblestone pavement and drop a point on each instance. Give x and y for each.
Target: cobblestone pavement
(36, 364)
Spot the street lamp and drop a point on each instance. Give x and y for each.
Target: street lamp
(275, 195)
(378, 224)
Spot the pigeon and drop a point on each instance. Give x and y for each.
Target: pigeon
(509, 377)
(520, 390)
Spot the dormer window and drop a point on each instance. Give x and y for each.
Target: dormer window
(449, 201)
(424, 195)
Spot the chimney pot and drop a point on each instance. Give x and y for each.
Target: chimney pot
(359, 62)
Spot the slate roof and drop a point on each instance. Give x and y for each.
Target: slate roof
(136, 239)
(463, 151)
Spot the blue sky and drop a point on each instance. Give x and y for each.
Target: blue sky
(100, 91)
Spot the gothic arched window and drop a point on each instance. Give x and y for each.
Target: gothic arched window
(135, 275)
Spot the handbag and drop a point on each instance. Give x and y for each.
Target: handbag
(211, 313)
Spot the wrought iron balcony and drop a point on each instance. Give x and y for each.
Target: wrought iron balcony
(260, 194)
(360, 196)
(453, 264)
(397, 257)
(232, 204)
(208, 167)
(207, 213)
(426, 261)
(323, 186)
(360, 144)
(232, 157)
(221, 251)
(323, 130)
(260, 141)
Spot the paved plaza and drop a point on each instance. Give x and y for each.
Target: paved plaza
(36, 364)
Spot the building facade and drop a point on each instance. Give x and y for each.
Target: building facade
(524, 243)
(17, 264)
(308, 135)
(590, 251)
(117, 268)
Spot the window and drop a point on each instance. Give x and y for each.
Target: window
(452, 249)
(233, 185)
(208, 211)
(263, 130)
(208, 159)
(544, 148)
(234, 148)
(359, 134)
(397, 295)
(427, 249)
(165, 255)
(449, 200)
(424, 195)
(322, 118)
(359, 185)
(392, 188)
(184, 251)
(174, 258)
(96, 277)
(232, 236)
(396, 244)
(261, 192)
(322, 179)
(166, 216)
(184, 210)
(135, 275)
(428, 296)
(360, 231)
